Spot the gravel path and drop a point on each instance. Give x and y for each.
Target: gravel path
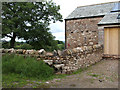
(104, 74)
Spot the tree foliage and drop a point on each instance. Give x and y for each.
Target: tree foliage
(30, 21)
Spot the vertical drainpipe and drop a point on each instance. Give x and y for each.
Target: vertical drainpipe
(118, 37)
(65, 36)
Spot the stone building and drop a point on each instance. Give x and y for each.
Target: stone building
(111, 25)
(81, 26)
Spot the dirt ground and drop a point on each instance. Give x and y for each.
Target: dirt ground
(104, 74)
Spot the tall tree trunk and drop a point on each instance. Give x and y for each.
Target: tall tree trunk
(12, 42)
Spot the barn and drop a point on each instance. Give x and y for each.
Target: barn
(82, 25)
(111, 25)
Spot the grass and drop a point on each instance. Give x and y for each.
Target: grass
(13, 80)
(92, 80)
(16, 81)
(93, 75)
(110, 79)
(79, 70)
(19, 71)
(58, 81)
(28, 67)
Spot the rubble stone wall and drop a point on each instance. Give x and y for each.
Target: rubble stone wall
(66, 61)
(81, 32)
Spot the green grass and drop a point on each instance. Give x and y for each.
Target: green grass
(28, 67)
(13, 80)
(92, 81)
(19, 71)
(79, 70)
(93, 75)
(17, 81)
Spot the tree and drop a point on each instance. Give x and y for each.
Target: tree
(30, 21)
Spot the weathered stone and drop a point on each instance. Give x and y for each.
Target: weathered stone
(90, 48)
(30, 52)
(24, 51)
(80, 32)
(90, 43)
(58, 58)
(67, 61)
(99, 46)
(83, 48)
(12, 50)
(61, 58)
(74, 50)
(96, 46)
(38, 59)
(64, 72)
(2, 50)
(58, 66)
(58, 61)
(59, 53)
(19, 51)
(58, 73)
(8, 50)
(66, 52)
(79, 49)
(55, 53)
(49, 54)
(42, 52)
(49, 62)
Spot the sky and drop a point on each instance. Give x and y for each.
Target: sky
(67, 6)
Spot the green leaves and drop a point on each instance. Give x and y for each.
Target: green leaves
(30, 20)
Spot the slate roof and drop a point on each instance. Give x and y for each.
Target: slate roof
(116, 8)
(110, 19)
(91, 11)
(113, 17)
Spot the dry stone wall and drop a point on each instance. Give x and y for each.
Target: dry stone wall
(66, 61)
(81, 32)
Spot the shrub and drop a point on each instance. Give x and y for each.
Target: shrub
(28, 66)
(61, 46)
(24, 46)
(5, 44)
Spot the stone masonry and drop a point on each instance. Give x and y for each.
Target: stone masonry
(66, 61)
(83, 32)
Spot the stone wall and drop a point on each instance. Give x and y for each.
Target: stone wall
(81, 32)
(66, 61)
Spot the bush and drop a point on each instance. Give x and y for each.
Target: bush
(5, 44)
(61, 46)
(24, 46)
(26, 66)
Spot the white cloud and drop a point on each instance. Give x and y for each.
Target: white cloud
(67, 6)
(57, 27)
(8, 39)
(59, 36)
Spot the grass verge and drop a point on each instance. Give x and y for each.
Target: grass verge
(19, 71)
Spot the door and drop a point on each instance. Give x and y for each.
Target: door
(111, 41)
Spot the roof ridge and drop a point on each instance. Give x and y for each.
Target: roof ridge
(98, 4)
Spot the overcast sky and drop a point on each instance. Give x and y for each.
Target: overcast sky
(67, 6)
